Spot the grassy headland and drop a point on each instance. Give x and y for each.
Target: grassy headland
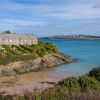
(22, 53)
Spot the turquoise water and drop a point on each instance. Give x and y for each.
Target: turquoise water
(87, 52)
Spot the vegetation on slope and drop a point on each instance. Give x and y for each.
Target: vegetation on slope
(71, 88)
(95, 73)
(24, 52)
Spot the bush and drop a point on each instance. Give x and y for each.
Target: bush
(41, 43)
(1, 50)
(95, 73)
(89, 83)
(54, 48)
(41, 52)
(12, 58)
(7, 47)
(71, 83)
(55, 93)
(19, 48)
(28, 48)
(49, 49)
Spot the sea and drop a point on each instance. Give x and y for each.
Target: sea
(86, 51)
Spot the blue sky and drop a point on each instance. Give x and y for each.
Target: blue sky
(50, 17)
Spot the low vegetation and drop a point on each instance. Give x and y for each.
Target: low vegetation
(95, 73)
(23, 52)
(83, 88)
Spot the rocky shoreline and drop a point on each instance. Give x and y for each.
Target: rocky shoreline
(47, 61)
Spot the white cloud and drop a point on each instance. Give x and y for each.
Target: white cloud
(13, 25)
(81, 9)
(50, 18)
(21, 22)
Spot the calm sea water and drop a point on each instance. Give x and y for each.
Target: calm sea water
(87, 52)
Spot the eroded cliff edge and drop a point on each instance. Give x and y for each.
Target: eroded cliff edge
(47, 61)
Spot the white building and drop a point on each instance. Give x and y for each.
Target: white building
(17, 39)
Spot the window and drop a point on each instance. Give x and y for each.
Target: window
(25, 40)
(17, 40)
(0, 40)
(22, 40)
(6, 40)
(10, 40)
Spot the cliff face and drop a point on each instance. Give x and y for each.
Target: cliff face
(47, 61)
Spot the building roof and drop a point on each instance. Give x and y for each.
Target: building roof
(16, 36)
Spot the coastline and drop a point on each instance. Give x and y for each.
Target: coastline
(18, 83)
(47, 61)
(74, 37)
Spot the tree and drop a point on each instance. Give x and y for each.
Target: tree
(7, 32)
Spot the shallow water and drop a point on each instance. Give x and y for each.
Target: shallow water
(87, 52)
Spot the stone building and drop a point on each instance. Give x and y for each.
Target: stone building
(17, 39)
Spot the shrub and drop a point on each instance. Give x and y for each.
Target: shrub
(89, 83)
(41, 43)
(95, 73)
(48, 49)
(55, 49)
(7, 47)
(7, 32)
(19, 48)
(41, 52)
(12, 58)
(28, 48)
(1, 50)
(55, 93)
(71, 83)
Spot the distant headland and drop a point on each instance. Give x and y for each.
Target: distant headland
(74, 37)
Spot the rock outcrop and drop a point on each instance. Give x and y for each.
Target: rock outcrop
(47, 61)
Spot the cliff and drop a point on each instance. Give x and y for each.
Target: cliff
(47, 61)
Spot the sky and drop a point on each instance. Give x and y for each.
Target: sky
(50, 17)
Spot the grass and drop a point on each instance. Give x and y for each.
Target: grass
(24, 52)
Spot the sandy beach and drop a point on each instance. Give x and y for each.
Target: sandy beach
(26, 82)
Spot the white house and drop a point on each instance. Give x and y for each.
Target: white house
(17, 39)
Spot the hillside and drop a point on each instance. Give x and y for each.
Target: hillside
(22, 53)
(34, 65)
